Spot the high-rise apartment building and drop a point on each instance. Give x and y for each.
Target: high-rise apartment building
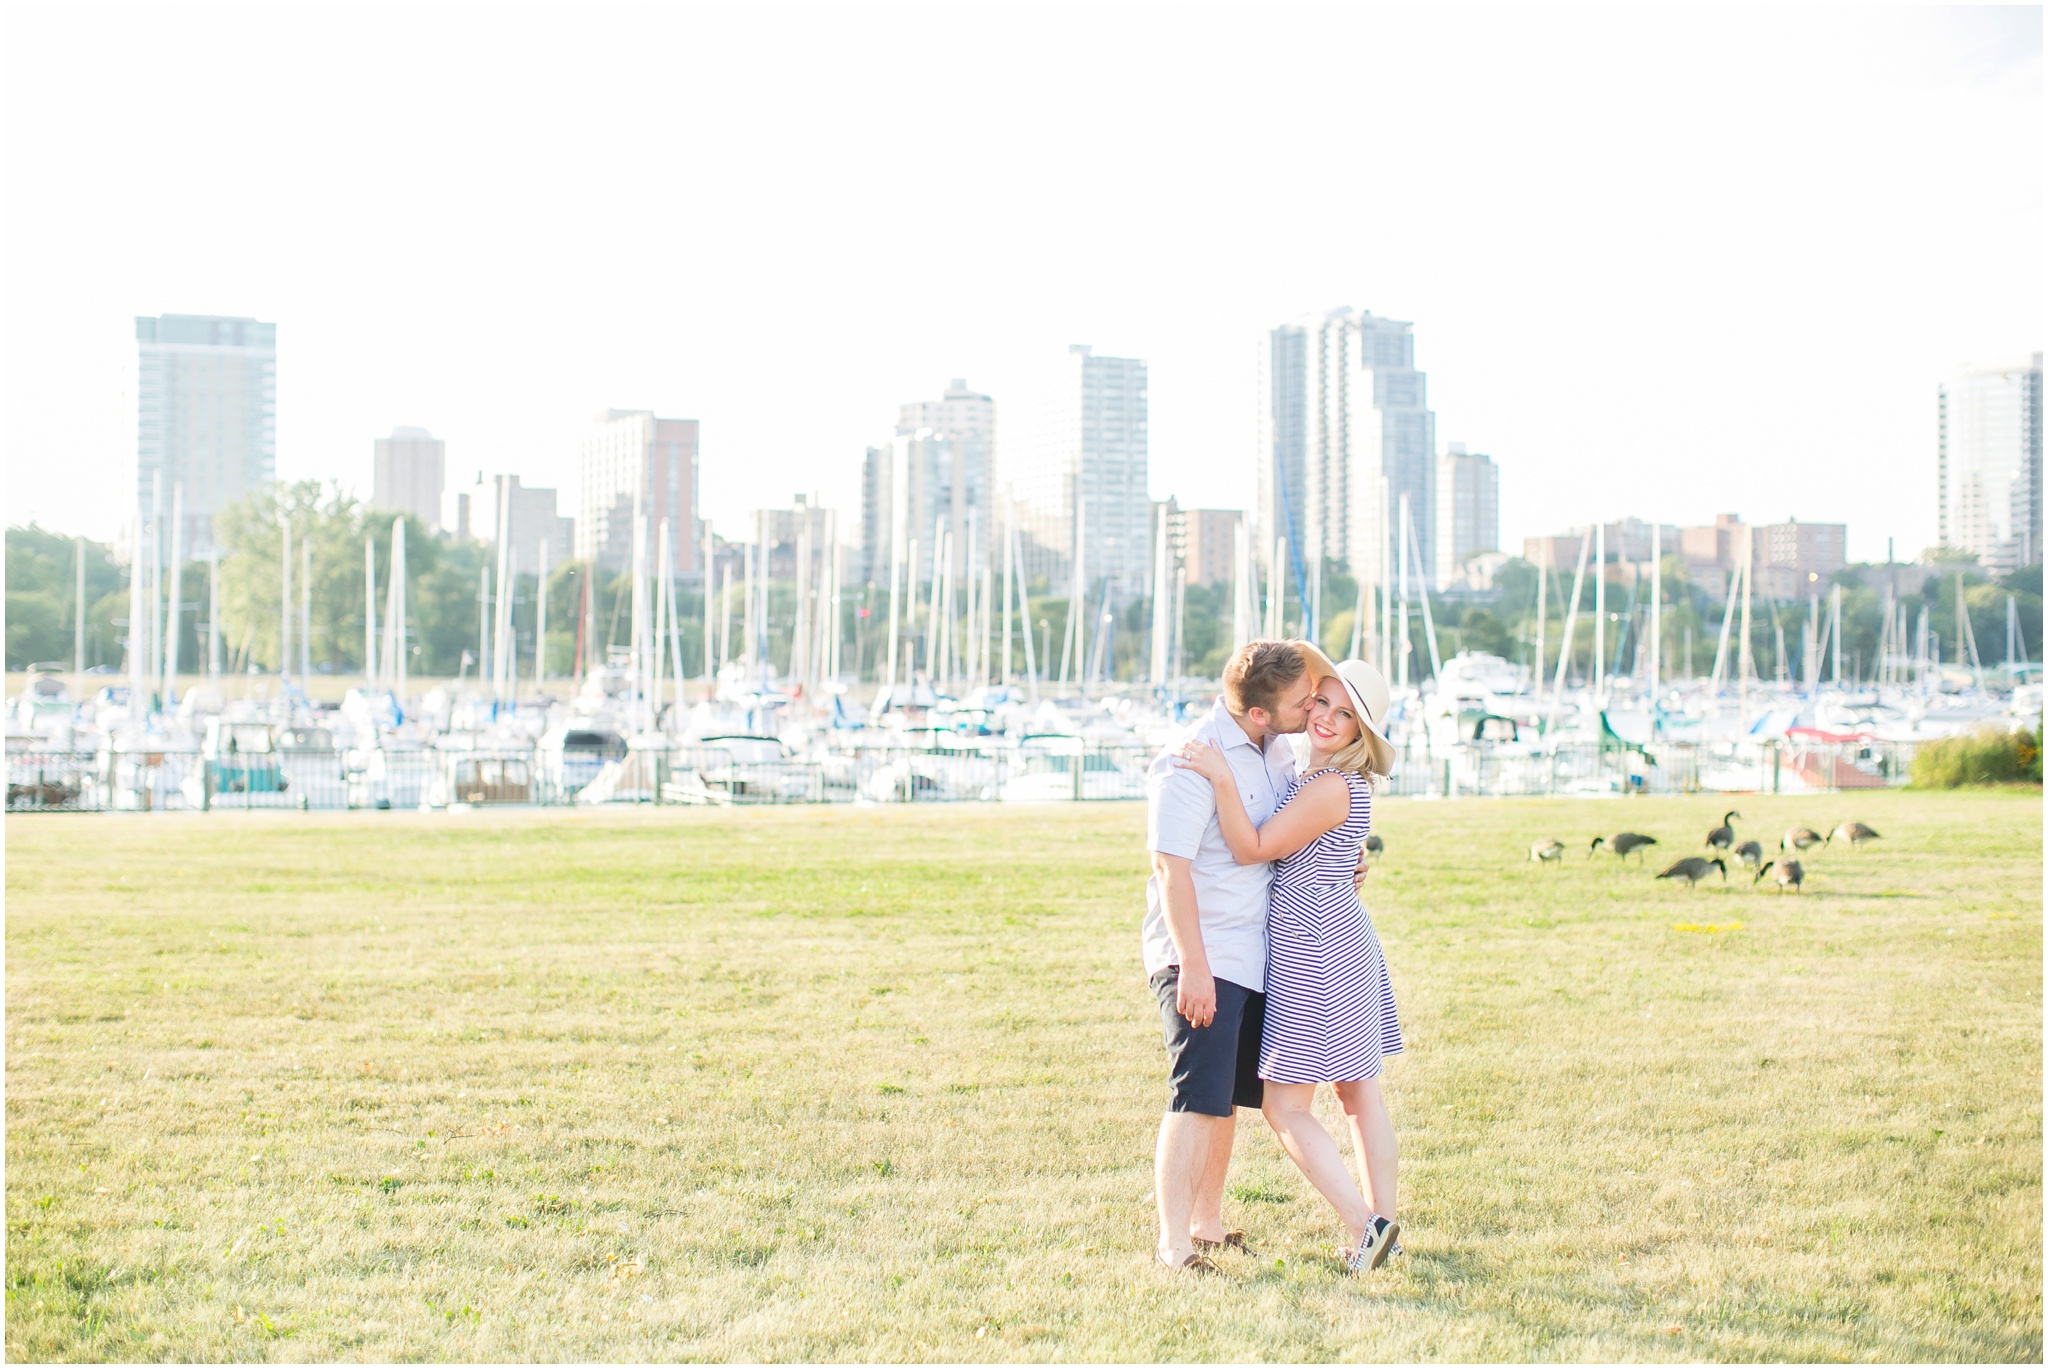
(634, 461)
(936, 471)
(917, 486)
(1076, 467)
(1989, 463)
(1344, 423)
(1209, 544)
(1202, 542)
(871, 556)
(1468, 510)
(205, 416)
(961, 414)
(804, 528)
(525, 514)
(409, 474)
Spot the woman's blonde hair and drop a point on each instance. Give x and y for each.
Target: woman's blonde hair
(1357, 757)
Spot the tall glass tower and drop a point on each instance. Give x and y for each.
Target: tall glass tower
(1990, 463)
(1343, 417)
(205, 415)
(1077, 465)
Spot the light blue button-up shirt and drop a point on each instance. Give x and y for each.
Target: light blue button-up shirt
(1180, 820)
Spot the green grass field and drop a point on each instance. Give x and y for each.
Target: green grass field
(882, 1084)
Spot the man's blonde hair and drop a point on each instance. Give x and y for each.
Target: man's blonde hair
(1257, 672)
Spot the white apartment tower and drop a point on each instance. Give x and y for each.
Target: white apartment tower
(633, 459)
(917, 486)
(961, 414)
(1989, 453)
(1468, 510)
(409, 474)
(205, 416)
(1341, 410)
(936, 471)
(1077, 466)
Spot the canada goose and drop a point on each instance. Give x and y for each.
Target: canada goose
(1547, 851)
(1373, 845)
(1800, 839)
(1855, 833)
(1751, 853)
(1623, 844)
(1791, 874)
(1693, 869)
(1723, 837)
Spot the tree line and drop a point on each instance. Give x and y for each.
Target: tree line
(445, 580)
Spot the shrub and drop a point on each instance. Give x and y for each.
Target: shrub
(1986, 756)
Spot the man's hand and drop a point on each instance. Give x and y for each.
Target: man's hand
(1196, 997)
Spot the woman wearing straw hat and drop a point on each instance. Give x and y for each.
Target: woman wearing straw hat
(1329, 1004)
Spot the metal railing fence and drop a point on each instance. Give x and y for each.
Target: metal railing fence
(144, 781)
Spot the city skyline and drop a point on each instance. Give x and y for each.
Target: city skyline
(1621, 311)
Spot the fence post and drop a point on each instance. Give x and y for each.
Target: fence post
(1077, 775)
(205, 785)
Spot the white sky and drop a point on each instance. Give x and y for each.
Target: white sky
(1661, 262)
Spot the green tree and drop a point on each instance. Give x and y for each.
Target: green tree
(330, 532)
(42, 599)
(1479, 630)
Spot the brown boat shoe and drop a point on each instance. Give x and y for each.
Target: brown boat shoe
(1232, 1240)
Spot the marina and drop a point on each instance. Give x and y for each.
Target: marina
(630, 733)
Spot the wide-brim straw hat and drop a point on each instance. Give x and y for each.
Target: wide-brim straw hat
(1370, 699)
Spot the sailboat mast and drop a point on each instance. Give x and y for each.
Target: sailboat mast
(1656, 613)
(394, 616)
(173, 613)
(284, 604)
(213, 635)
(1599, 615)
(540, 619)
(369, 615)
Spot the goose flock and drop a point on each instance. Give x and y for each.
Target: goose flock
(1786, 869)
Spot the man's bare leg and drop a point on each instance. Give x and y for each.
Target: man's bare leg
(1180, 1169)
(1207, 1220)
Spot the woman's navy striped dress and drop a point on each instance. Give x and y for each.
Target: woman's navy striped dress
(1329, 1003)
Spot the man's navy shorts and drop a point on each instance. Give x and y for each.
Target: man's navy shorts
(1216, 1067)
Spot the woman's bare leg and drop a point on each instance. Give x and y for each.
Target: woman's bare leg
(1290, 1111)
(1372, 1132)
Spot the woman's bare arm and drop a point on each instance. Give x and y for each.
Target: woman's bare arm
(1322, 805)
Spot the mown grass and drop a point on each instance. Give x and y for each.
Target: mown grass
(866, 1084)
